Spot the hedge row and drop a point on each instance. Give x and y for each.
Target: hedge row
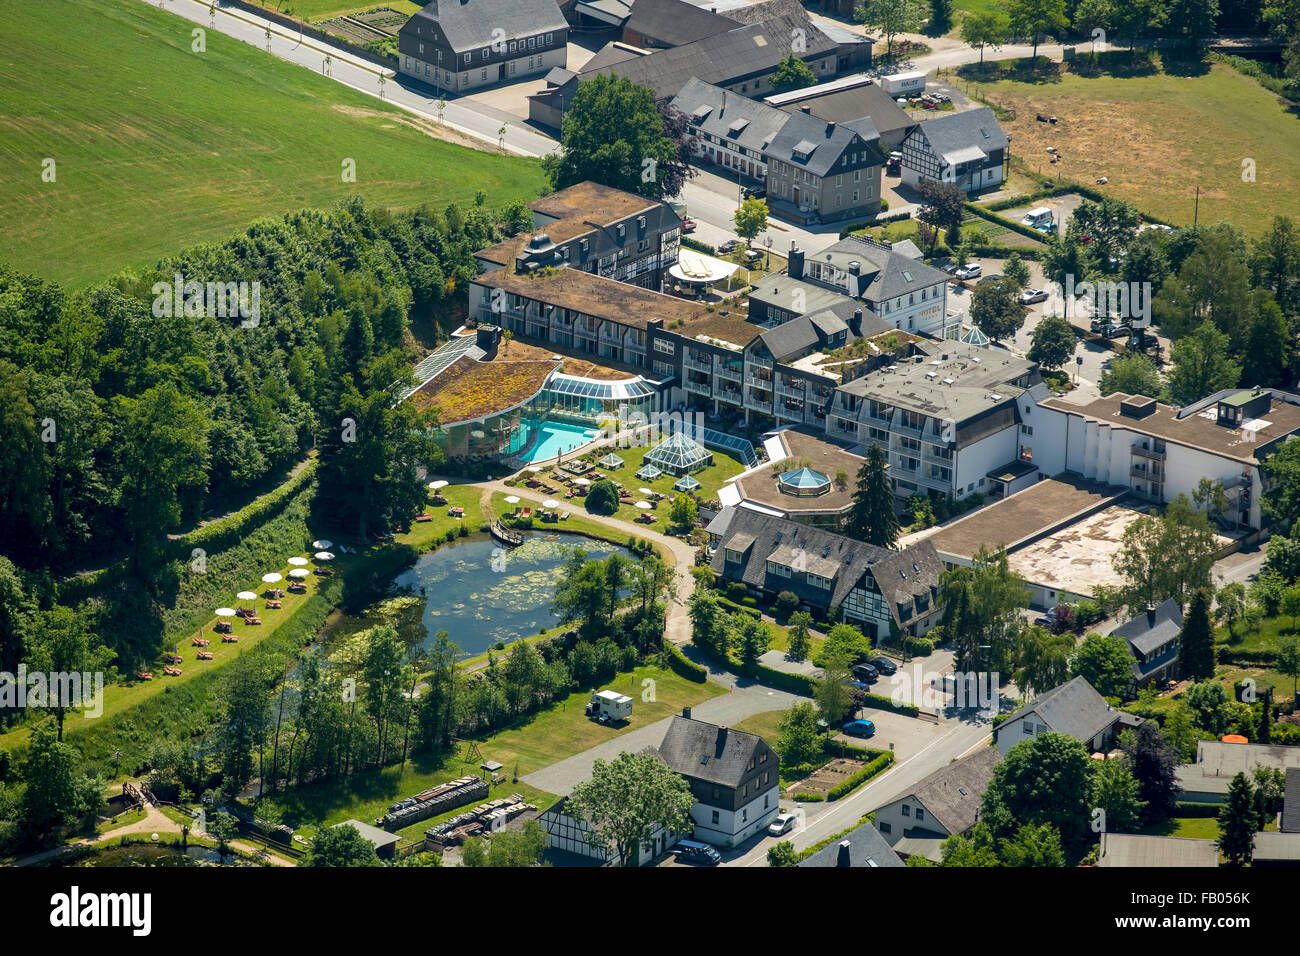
(681, 665)
(1184, 809)
(1058, 189)
(877, 221)
(698, 246)
(862, 776)
(885, 703)
(1003, 221)
(212, 537)
(988, 250)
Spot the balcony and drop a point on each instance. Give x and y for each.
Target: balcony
(730, 373)
(1150, 454)
(1147, 474)
(697, 364)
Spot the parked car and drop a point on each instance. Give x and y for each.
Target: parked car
(756, 192)
(859, 728)
(699, 854)
(783, 823)
(993, 277)
(859, 685)
(1030, 296)
(688, 225)
(865, 672)
(969, 271)
(1046, 620)
(727, 246)
(884, 665)
(951, 268)
(1115, 331)
(895, 164)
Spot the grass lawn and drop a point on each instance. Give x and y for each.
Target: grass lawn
(423, 535)
(317, 10)
(158, 148)
(1192, 828)
(711, 479)
(1157, 136)
(558, 732)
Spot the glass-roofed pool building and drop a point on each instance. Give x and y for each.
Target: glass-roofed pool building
(678, 454)
(513, 402)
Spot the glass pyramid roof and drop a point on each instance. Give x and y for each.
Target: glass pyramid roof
(677, 453)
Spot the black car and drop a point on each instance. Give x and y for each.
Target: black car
(756, 192)
(884, 665)
(727, 246)
(865, 673)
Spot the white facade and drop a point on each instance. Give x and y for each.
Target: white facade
(728, 828)
(474, 73)
(906, 813)
(1124, 455)
(1031, 725)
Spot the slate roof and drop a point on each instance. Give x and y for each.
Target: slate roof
(674, 22)
(827, 141)
(753, 50)
(705, 751)
(1147, 634)
(885, 273)
(468, 24)
(762, 122)
(830, 555)
(861, 846)
(840, 105)
(1291, 802)
(1218, 762)
(952, 134)
(1072, 708)
(954, 794)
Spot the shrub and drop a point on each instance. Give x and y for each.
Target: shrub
(919, 646)
(787, 602)
(736, 590)
(681, 665)
(602, 499)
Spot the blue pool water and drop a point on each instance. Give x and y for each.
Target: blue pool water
(554, 438)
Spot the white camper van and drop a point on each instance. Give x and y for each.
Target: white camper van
(1040, 217)
(608, 706)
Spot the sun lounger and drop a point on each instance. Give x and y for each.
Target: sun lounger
(229, 639)
(144, 675)
(424, 517)
(203, 656)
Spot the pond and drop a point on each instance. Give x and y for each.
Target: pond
(482, 593)
(158, 854)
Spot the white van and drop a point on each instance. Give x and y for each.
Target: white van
(1040, 217)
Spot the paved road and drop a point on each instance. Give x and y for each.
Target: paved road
(958, 739)
(726, 710)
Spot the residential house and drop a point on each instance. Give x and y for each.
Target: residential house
(945, 803)
(1074, 709)
(734, 777)
(862, 846)
(821, 171)
(1152, 639)
(659, 24)
(967, 148)
(385, 843)
(569, 835)
(875, 589)
(730, 130)
(460, 45)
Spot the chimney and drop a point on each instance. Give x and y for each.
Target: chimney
(830, 127)
(686, 712)
(842, 856)
(806, 109)
(1151, 615)
(722, 739)
(856, 325)
(855, 267)
(795, 263)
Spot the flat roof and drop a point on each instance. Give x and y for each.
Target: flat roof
(377, 837)
(1021, 516)
(761, 484)
(1132, 849)
(1199, 430)
(469, 390)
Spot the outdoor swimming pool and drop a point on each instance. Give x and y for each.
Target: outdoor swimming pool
(555, 438)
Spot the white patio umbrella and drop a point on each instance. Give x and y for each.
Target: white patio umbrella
(535, 468)
(582, 481)
(322, 545)
(512, 499)
(225, 612)
(644, 505)
(272, 578)
(324, 556)
(645, 491)
(440, 483)
(246, 596)
(299, 573)
(297, 562)
(550, 503)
